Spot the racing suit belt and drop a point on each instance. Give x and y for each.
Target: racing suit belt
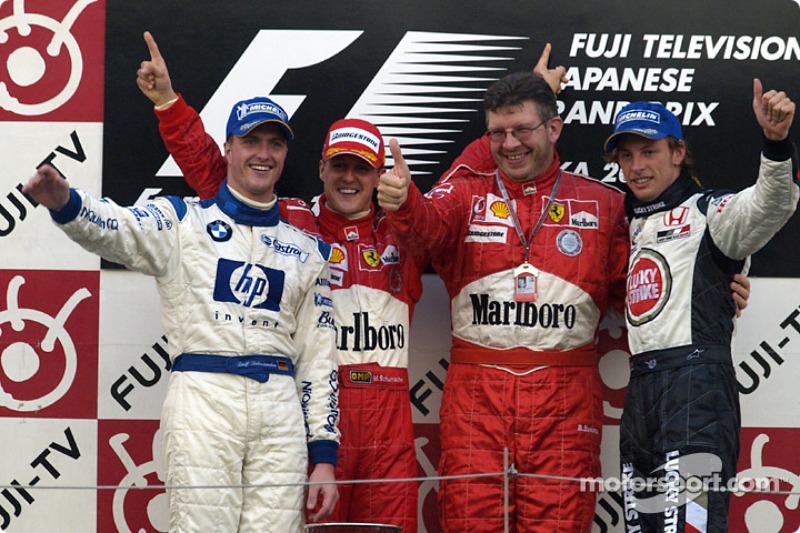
(373, 375)
(466, 352)
(656, 360)
(257, 367)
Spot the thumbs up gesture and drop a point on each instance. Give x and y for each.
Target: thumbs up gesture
(393, 184)
(774, 111)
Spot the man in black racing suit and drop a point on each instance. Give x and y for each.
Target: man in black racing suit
(681, 414)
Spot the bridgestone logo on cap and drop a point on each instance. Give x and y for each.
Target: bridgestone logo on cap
(355, 135)
(639, 115)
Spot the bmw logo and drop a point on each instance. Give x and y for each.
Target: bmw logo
(220, 231)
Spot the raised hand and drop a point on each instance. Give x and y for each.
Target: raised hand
(153, 77)
(774, 111)
(553, 76)
(393, 184)
(48, 188)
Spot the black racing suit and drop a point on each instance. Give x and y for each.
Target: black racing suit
(681, 416)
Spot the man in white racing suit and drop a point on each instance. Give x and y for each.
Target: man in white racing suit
(253, 392)
(375, 285)
(681, 413)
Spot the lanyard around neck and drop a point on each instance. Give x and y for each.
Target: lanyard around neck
(526, 242)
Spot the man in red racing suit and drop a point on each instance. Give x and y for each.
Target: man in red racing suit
(375, 286)
(532, 257)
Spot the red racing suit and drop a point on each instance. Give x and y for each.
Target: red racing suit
(374, 287)
(523, 375)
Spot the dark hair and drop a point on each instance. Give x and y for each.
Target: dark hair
(518, 88)
(687, 165)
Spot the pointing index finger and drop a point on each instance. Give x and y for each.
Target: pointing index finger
(152, 46)
(544, 59)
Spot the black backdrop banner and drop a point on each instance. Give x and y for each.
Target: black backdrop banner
(418, 69)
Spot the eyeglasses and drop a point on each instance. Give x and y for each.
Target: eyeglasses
(521, 134)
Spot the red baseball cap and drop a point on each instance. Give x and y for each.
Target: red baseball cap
(357, 137)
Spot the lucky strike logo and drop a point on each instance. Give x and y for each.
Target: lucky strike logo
(649, 285)
(51, 60)
(48, 344)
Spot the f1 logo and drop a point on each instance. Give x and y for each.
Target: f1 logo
(308, 47)
(419, 55)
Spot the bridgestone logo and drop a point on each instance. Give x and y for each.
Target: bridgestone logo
(354, 134)
(475, 233)
(530, 314)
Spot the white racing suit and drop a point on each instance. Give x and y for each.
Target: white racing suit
(681, 417)
(253, 393)
(375, 286)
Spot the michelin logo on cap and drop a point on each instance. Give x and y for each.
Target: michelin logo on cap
(648, 119)
(248, 114)
(260, 107)
(638, 115)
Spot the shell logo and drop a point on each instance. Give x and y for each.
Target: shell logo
(337, 256)
(500, 209)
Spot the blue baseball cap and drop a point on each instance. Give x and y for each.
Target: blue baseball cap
(249, 114)
(646, 119)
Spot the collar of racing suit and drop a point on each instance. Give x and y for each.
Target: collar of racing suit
(681, 189)
(477, 158)
(541, 183)
(242, 213)
(337, 228)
